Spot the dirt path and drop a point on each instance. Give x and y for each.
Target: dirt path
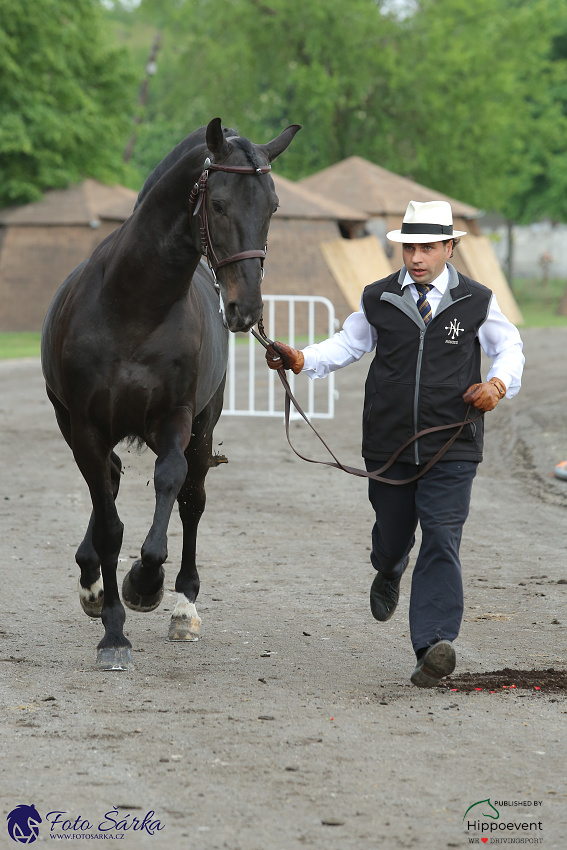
(292, 723)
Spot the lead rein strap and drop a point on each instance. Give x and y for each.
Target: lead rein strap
(350, 470)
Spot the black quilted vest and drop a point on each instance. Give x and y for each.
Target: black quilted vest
(419, 373)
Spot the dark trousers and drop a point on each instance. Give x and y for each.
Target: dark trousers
(439, 501)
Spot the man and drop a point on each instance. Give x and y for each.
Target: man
(427, 324)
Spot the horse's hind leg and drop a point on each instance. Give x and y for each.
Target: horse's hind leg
(142, 589)
(91, 593)
(185, 622)
(95, 463)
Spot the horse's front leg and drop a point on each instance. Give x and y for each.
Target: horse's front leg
(142, 589)
(94, 461)
(185, 622)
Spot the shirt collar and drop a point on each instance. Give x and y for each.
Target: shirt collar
(441, 283)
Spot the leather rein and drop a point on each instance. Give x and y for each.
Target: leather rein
(376, 475)
(198, 206)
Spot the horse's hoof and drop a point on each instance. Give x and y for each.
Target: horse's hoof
(184, 628)
(134, 600)
(92, 598)
(111, 658)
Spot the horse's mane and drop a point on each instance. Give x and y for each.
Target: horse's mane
(193, 140)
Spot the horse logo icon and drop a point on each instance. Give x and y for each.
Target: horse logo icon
(484, 814)
(23, 824)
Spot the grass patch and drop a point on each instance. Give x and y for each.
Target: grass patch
(539, 301)
(14, 345)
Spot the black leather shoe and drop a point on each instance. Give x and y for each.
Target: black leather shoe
(439, 661)
(384, 595)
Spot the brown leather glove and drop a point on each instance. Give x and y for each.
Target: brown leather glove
(279, 354)
(485, 396)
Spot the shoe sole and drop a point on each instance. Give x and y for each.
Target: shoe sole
(439, 662)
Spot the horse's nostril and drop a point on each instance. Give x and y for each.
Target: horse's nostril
(233, 310)
(241, 319)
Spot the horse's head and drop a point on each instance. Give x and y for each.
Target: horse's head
(239, 206)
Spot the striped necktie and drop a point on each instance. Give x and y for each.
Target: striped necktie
(422, 302)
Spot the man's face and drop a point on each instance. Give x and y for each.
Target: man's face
(425, 262)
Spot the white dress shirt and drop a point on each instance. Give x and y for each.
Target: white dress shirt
(499, 339)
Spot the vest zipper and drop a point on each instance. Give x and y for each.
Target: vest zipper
(416, 394)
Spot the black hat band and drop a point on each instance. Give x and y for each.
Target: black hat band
(436, 229)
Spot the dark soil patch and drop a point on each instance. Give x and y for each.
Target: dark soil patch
(548, 681)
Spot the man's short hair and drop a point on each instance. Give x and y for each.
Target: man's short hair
(455, 242)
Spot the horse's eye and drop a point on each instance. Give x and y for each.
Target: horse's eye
(217, 206)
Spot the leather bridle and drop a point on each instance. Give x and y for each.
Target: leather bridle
(198, 206)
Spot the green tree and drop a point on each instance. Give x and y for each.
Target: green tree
(483, 99)
(467, 98)
(66, 97)
(262, 64)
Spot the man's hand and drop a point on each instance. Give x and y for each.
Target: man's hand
(279, 354)
(485, 396)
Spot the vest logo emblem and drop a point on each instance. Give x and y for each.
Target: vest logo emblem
(453, 330)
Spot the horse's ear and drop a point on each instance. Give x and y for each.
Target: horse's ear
(216, 142)
(280, 143)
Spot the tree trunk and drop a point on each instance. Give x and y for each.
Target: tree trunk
(151, 68)
(510, 254)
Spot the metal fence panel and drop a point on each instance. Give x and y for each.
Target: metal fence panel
(254, 390)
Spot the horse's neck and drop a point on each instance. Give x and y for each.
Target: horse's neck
(158, 253)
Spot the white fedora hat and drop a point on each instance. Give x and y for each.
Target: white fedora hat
(428, 222)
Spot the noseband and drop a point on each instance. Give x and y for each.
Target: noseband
(198, 206)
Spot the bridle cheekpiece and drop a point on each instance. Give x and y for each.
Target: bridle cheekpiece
(198, 206)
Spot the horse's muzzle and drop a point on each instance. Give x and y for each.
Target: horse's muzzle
(241, 319)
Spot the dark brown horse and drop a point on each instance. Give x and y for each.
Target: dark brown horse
(134, 347)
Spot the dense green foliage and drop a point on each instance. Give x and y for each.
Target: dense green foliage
(467, 98)
(65, 97)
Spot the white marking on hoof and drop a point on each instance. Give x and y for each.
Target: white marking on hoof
(89, 594)
(185, 623)
(91, 598)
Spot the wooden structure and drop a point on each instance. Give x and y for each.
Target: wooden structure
(384, 197)
(295, 264)
(354, 263)
(42, 242)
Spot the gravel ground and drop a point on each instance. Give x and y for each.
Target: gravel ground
(292, 723)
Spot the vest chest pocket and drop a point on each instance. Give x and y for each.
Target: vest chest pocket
(451, 354)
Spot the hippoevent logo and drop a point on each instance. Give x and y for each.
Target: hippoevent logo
(23, 824)
(485, 820)
(24, 821)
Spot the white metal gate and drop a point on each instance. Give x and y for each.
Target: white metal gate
(252, 389)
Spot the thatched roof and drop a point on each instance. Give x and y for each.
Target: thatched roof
(86, 204)
(366, 186)
(297, 201)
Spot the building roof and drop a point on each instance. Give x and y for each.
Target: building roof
(91, 201)
(297, 201)
(366, 186)
(85, 204)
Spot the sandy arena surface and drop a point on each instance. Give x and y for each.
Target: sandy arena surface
(292, 723)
